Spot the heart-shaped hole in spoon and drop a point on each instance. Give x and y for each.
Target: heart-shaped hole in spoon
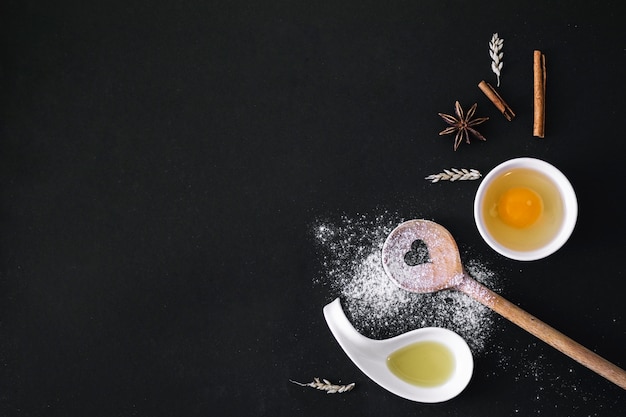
(418, 253)
(445, 271)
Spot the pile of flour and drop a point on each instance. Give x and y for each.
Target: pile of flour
(351, 265)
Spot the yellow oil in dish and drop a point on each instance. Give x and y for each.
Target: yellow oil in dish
(425, 364)
(522, 209)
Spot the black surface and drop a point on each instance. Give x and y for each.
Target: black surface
(162, 163)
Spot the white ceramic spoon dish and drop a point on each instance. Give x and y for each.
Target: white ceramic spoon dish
(371, 355)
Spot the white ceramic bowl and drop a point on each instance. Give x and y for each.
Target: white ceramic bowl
(543, 237)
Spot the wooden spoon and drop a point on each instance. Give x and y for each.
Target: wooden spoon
(421, 256)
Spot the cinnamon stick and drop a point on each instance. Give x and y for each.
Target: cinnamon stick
(498, 101)
(539, 86)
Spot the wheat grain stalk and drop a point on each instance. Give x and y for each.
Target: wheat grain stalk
(454, 174)
(326, 385)
(496, 54)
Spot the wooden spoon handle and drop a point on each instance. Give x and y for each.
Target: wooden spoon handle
(544, 332)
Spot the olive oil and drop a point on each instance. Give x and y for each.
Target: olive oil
(522, 209)
(425, 364)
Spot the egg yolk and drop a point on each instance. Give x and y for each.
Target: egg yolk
(520, 207)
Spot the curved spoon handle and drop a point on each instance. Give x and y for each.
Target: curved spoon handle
(544, 332)
(347, 336)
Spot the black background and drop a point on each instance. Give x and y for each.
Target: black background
(162, 163)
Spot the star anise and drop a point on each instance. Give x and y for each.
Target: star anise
(463, 124)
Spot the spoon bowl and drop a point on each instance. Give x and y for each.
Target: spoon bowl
(370, 356)
(421, 256)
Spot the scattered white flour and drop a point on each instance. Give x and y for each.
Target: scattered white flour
(350, 250)
(352, 267)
